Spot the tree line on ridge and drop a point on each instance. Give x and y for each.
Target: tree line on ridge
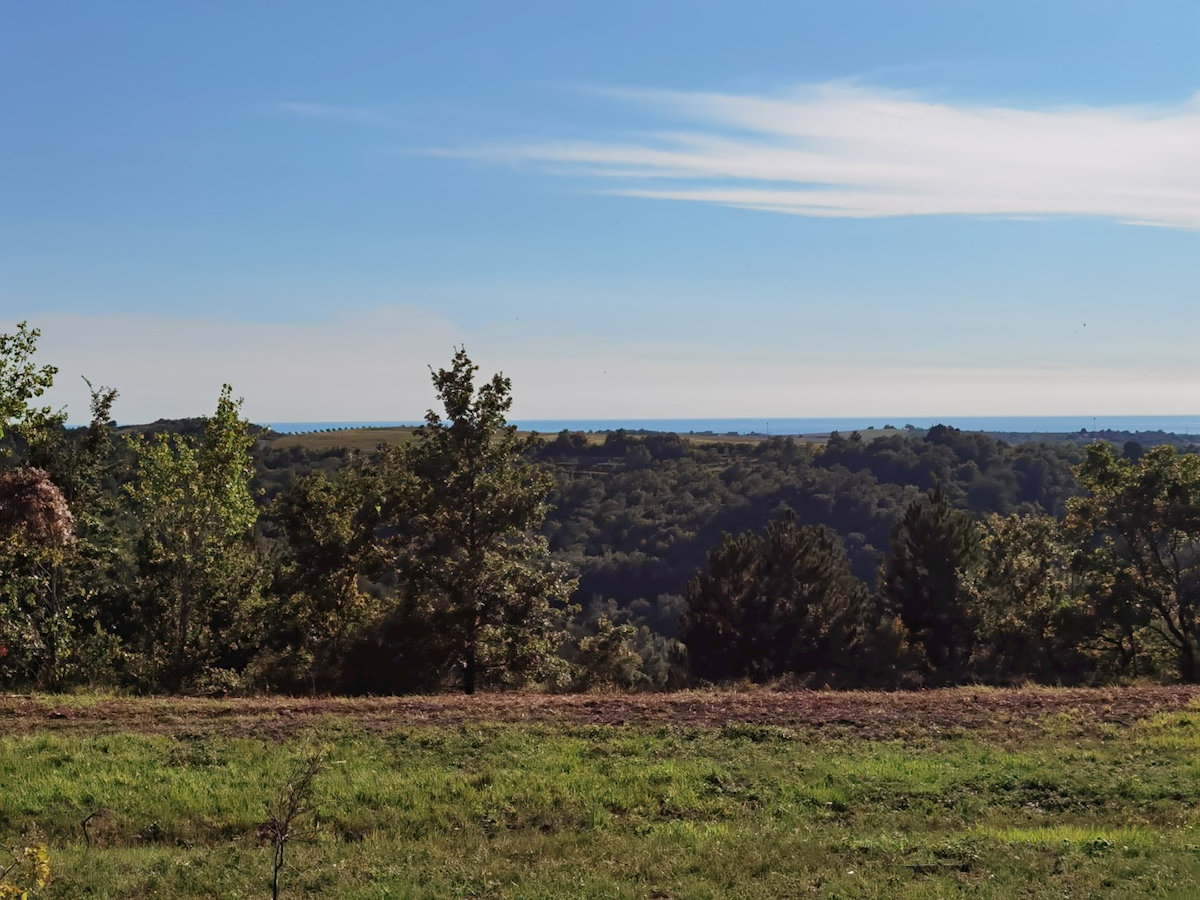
(198, 556)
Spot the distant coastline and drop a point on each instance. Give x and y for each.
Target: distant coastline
(1181, 424)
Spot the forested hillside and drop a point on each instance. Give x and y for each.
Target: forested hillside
(205, 555)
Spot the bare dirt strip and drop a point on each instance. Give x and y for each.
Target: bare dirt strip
(1004, 714)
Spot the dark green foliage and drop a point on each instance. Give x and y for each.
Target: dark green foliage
(1032, 617)
(325, 594)
(444, 560)
(607, 660)
(276, 470)
(467, 545)
(412, 649)
(639, 533)
(980, 473)
(1133, 451)
(638, 528)
(1141, 523)
(55, 578)
(931, 546)
(565, 444)
(781, 601)
(623, 647)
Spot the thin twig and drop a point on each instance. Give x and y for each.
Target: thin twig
(295, 802)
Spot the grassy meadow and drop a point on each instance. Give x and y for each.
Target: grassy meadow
(1054, 803)
(360, 439)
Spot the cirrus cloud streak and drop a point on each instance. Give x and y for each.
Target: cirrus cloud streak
(836, 150)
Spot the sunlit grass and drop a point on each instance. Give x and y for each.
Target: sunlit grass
(545, 811)
(1080, 836)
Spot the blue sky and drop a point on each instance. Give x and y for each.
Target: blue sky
(633, 209)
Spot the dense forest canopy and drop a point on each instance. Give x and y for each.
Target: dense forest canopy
(208, 555)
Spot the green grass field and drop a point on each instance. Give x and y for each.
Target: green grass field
(1047, 805)
(362, 439)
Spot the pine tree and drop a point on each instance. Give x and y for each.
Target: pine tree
(922, 584)
(470, 546)
(774, 602)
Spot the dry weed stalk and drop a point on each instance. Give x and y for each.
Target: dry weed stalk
(292, 808)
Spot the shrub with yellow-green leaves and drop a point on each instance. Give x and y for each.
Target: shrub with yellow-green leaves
(29, 871)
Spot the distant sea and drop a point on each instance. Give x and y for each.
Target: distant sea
(1009, 424)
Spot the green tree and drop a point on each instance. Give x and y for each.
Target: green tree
(471, 510)
(54, 584)
(1031, 613)
(198, 568)
(21, 381)
(1140, 521)
(39, 551)
(932, 545)
(774, 602)
(607, 661)
(36, 532)
(322, 601)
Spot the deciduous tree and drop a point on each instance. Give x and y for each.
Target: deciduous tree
(197, 565)
(22, 381)
(1031, 613)
(333, 549)
(1141, 521)
(38, 523)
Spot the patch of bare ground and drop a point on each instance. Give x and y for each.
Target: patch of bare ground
(991, 713)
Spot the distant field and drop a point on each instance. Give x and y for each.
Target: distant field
(987, 793)
(370, 438)
(345, 438)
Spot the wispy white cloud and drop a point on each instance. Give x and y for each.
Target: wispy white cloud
(839, 150)
(354, 115)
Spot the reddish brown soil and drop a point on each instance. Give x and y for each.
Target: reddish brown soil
(994, 713)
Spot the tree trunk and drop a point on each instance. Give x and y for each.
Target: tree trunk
(470, 668)
(1189, 670)
(183, 624)
(471, 650)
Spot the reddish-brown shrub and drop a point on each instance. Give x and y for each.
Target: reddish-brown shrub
(32, 506)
